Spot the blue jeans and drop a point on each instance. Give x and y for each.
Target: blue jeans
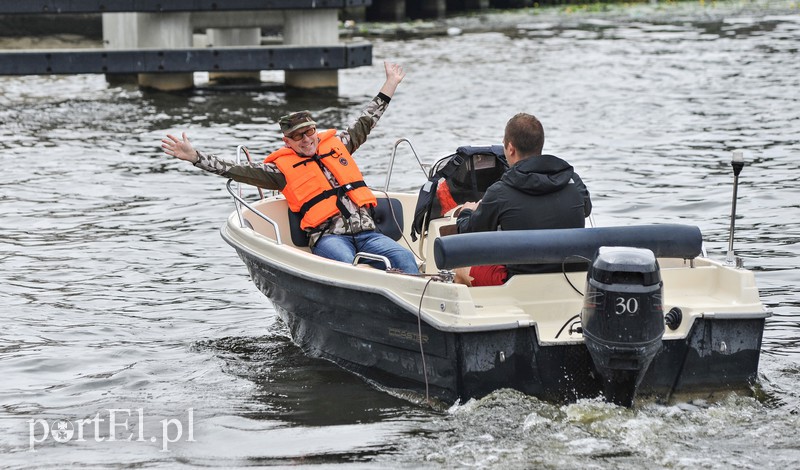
(344, 248)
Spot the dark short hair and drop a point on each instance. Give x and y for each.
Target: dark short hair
(526, 133)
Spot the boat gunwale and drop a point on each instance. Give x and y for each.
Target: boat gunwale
(427, 317)
(388, 293)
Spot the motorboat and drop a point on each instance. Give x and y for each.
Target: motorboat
(646, 314)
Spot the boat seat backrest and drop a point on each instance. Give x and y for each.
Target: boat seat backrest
(388, 216)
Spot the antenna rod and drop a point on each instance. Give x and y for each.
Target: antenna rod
(737, 162)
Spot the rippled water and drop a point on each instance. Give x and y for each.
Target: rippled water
(119, 294)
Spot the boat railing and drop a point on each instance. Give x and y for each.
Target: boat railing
(239, 202)
(372, 257)
(422, 166)
(241, 149)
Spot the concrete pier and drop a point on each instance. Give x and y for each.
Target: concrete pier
(118, 35)
(160, 44)
(311, 28)
(155, 41)
(170, 31)
(223, 37)
(318, 27)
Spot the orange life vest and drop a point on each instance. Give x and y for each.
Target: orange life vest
(308, 190)
(445, 196)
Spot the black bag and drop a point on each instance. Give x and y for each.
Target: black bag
(468, 173)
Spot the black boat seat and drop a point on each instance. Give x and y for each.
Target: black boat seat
(552, 246)
(388, 216)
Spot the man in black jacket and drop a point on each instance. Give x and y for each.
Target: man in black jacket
(536, 192)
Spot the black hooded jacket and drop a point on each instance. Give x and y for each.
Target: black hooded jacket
(541, 192)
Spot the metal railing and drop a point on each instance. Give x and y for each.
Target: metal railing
(239, 200)
(391, 162)
(239, 151)
(372, 257)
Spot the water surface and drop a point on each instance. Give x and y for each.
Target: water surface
(119, 294)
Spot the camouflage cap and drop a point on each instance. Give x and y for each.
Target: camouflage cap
(295, 121)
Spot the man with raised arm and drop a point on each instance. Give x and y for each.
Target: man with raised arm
(320, 180)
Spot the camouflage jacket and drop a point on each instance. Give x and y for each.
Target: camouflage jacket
(267, 175)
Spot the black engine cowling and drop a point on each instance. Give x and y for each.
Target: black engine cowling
(623, 318)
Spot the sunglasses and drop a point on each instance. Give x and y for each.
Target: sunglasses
(299, 136)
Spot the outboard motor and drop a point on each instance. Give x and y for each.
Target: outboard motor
(623, 318)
